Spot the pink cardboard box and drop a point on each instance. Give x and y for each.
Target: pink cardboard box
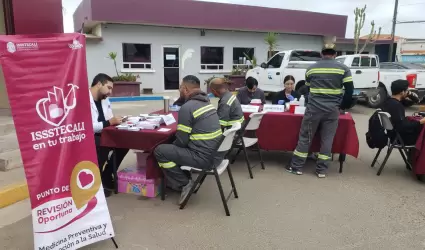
(133, 181)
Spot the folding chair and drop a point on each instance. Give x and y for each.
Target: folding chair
(396, 142)
(241, 142)
(225, 146)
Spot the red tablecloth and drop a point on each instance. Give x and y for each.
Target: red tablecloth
(145, 140)
(279, 131)
(419, 162)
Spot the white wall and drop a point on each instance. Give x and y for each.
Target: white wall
(116, 34)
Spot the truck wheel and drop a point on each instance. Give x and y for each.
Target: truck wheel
(377, 100)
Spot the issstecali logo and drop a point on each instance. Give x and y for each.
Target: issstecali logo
(75, 45)
(12, 47)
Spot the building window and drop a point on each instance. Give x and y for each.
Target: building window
(136, 56)
(243, 57)
(212, 58)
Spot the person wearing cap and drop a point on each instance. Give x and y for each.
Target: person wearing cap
(229, 109)
(325, 81)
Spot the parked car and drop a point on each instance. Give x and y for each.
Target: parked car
(391, 71)
(364, 68)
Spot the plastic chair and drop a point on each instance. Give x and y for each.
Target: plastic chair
(241, 142)
(225, 146)
(397, 143)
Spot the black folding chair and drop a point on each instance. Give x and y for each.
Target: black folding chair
(395, 142)
(225, 146)
(241, 142)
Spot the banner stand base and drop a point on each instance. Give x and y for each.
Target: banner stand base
(115, 243)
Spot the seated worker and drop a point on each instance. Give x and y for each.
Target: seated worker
(229, 109)
(409, 130)
(102, 117)
(250, 91)
(197, 138)
(180, 101)
(288, 92)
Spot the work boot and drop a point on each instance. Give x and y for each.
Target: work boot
(294, 171)
(321, 175)
(185, 191)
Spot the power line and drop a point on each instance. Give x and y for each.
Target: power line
(422, 21)
(410, 4)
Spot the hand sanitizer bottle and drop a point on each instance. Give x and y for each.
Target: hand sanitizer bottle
(302, 101)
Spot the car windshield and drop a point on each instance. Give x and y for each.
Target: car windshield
(301, 55)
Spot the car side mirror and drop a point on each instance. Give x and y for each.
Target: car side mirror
(263, 65)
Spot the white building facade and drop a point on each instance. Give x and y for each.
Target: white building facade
(160, 56)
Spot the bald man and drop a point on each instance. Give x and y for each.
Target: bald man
(229, 109)
(197, 139)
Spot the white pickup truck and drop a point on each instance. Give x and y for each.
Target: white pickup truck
(270, 75)
(391, 71)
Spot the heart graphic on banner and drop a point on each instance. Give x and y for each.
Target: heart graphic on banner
(85, 179)
(85, 182)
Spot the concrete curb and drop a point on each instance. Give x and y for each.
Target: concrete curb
(13, 193)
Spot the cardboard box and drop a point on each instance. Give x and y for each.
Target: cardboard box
(133, 181)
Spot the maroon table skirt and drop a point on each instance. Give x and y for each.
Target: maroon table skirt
(145, 140)
(279, 131)
(419, 161)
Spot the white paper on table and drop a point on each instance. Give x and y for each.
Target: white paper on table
(169, 119)
(256, 101)
(273, 108)
(164, 129)
(250, 108)
(122, 126)
(299, 110)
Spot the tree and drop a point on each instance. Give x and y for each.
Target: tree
(271, 41)
(360, 17)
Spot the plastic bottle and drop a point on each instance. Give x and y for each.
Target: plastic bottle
(302, 101)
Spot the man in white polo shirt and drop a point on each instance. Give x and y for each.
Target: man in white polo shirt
(102, 117)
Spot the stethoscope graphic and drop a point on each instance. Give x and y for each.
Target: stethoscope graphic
(74, 98)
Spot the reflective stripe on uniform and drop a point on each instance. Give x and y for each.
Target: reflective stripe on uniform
(325, 71)
(230, 123)
(169, 164)
(202, 110)
(231, 100)
(299, 154)
(307, 84)
(235, 121)
(326, 91)
(347, 79)
(184, 128)
(223, 123)
(207, 136)
(323, 157)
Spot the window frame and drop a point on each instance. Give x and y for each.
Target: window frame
(220, 67)
(245, 65)
(147, 66)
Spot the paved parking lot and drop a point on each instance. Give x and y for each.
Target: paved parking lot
(275, 210)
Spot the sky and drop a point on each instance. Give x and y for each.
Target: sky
(381, 11)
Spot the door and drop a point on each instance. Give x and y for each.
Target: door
(271, 79)
(365, 72)
(171, 59)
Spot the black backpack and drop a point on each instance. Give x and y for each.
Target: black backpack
(376, 136)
